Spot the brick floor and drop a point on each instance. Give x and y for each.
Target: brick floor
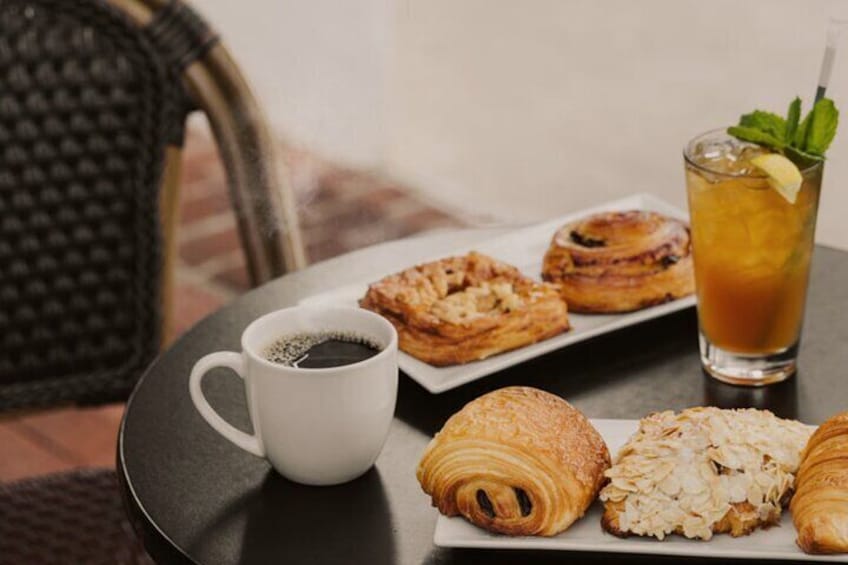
(340, 209)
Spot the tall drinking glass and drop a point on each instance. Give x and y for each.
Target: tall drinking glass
(751, 251)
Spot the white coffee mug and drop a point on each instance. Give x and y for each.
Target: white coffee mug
(316, 426)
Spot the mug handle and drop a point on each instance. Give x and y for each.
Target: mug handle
(234, 361)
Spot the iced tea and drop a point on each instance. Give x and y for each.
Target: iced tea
(752, 250)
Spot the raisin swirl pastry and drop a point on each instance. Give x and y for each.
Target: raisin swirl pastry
(517, 461)
(620, 261)
(466, 308)
(820, 505)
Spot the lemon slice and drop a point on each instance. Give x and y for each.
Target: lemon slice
(783, 174)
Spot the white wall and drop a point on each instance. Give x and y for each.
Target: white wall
(319, 67)
(529, 109)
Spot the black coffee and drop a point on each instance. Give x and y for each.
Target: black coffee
(321, 349)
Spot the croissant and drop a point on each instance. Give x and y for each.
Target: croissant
(820, 505)
(620, 261)
(517, 461)
(466, 308)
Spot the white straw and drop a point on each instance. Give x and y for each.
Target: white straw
(835, 28)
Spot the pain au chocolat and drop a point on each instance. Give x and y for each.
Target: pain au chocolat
(517, 461)
(620, 261)
(466, 308)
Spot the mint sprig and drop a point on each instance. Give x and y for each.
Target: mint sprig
(804, 141)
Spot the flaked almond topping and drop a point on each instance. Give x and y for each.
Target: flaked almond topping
(684, 472)
(489, 298)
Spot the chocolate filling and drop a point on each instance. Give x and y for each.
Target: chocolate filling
(485, 503)
(669, 260)
(523, 501)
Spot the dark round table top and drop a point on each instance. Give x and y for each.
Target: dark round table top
(196, 498)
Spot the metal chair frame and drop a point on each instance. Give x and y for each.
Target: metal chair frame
(261, 196)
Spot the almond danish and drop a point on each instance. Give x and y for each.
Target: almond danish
(466, 308)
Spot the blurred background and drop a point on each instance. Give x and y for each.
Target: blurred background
(520, 111)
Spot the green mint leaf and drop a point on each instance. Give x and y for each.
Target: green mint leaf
(804, 141)
(801, 158)
(793, 116)
(822, 127)
(754, 135)
(800, 138)
(767, 122)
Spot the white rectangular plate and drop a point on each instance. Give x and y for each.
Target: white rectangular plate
(523, 248)
(587, 535)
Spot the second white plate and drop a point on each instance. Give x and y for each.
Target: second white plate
(587, 535)
(525, 249)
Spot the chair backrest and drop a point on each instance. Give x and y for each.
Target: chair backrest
(93, 98)
(262, 199)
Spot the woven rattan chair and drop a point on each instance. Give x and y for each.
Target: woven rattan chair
(94, 95)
